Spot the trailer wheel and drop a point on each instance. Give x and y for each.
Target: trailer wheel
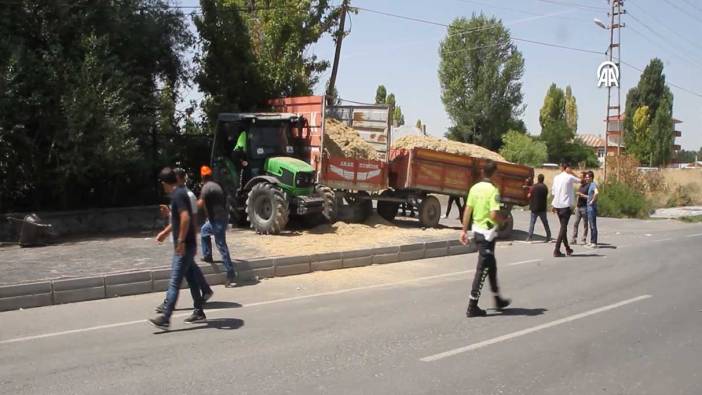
(361, 206)
(267, 209)
(430, 212)
(387, 209)
(505, 229)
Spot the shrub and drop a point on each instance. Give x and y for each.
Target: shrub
(620, 200)
(683, 195)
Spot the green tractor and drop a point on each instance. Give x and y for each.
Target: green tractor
(275, 183)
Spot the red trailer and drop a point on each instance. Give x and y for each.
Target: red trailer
(416, 174)
(411, 176)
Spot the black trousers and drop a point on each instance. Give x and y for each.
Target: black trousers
(487, 266)
(563, 217)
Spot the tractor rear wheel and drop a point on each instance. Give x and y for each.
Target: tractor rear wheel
(387, 209)
(267, 209)
(430, 212)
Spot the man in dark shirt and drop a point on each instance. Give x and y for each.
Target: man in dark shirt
(537, 204)
(213, 199)
(581, 210)
(183, 262)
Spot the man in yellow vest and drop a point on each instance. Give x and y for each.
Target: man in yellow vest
(483, 205)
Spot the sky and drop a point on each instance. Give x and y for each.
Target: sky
(403, 55)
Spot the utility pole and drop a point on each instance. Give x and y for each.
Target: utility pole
(339, 38)
(614, 129)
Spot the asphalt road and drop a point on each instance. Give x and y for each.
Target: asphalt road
(625, 319)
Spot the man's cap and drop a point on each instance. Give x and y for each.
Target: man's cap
(205, 171)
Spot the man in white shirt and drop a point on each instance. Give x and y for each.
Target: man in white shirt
(563, 190)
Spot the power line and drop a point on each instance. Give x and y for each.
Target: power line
(667, 82)
(693, 43)
(693, 5)
(575, 5)
(690, 61)
(682, 11)
(159, 6)
(583, 50)
(419, 20)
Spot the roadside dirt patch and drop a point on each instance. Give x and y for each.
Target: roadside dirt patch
(453, 147)
(341, 140)
(341, 236)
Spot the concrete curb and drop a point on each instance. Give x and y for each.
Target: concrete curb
(21, 296)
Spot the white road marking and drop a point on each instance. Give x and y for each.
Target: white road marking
(527, 331)
(523, 262)
(667, 239)
(254, 304)
(695, 235)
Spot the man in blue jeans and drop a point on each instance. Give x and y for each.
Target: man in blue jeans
(183, 262)
(213, 199)
(592, 194)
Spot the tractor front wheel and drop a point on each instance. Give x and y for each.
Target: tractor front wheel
(329, 211)
(267, 209)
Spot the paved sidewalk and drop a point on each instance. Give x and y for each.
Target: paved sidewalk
(139, 251)
(84, 257)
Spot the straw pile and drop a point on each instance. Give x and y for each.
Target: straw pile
(341, 140)
(453, 147)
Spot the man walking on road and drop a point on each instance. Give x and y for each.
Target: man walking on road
(538, 194)
(183, 262)
(483, 205)
(212, 198)
(592, 195)
(563, 199)
(181, 176)
(581, 211)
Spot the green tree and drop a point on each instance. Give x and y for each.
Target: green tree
(554, 108)
(381, 95)
(418, 124)
(686, 156)
(253, 51)
(281, 36)
(662, 135)
(397, 117)
(480, 71)
(80, 99)
(521, 148)
(640, 138)
(227, 73)
(557, 135)
(335, 99)
(390, 101)
(652, 92)
(571, 109)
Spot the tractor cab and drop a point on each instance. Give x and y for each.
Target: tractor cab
(264, 178)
